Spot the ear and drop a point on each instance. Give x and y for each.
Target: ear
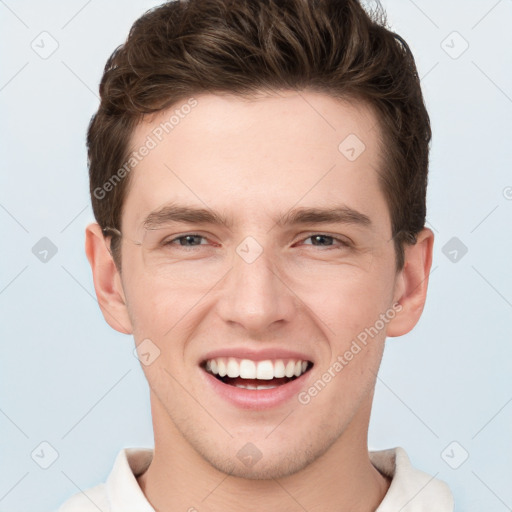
(412, 283)
(107, 280)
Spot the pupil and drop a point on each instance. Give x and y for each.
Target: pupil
(189, 238)
(320, 238)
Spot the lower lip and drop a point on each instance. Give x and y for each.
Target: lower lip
(256, 398)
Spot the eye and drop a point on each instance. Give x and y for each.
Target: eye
(322, 240)
(188, 240)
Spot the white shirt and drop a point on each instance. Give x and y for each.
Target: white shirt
(411, 490)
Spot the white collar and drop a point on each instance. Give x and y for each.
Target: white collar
(411, 490)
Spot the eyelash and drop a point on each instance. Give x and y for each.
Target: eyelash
(343, 243)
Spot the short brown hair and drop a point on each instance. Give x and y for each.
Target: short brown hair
(188, 47)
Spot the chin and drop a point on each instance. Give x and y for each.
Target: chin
(271, 468)
(264, 460)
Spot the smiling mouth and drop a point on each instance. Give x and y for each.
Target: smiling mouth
(256, 375)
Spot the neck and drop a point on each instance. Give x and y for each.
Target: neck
(342, 479)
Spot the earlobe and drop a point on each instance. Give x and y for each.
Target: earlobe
(107, 281)
(412, 283)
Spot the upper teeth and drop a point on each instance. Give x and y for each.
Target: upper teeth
(247, 369)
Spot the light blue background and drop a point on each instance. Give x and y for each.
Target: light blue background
(67, 378)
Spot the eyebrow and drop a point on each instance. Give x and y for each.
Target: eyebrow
(339, 214)
(187, 214)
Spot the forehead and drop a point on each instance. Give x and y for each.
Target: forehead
(253, 157)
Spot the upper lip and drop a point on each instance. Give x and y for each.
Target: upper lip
(256, 355)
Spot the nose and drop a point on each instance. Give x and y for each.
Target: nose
(256, 296)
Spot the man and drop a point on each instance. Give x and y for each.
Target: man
(258, 175)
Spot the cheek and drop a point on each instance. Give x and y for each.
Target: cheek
(163, 310)
(357, 312)
(347, 299)
(147, 305)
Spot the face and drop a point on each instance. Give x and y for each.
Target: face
(286, 280)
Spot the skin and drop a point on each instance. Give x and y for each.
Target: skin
(253, 160)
